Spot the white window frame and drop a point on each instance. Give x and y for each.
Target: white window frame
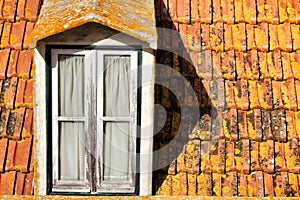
(94, 120)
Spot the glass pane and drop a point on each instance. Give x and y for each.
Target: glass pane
(71, 85)
(116, 151)
(116, 86)
(71, 151)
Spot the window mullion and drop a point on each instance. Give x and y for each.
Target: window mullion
(99, 84)
(91, 115)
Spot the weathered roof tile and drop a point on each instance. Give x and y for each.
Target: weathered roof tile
(239, 36)
(7, 182)
(24, 63)
(250, 31)
(20, 15)
(228, 37)
(6, 35)
(10, 93)
(239, 13)
(205, 10)
(10, 157)
(216, 36)
(4, 55)
(28, 31)
(19, 183)
(261, 36)
(17, 34)
(3, 147)
(228, 11)
(289, 95)
(9, 9)
(12, 66)
(216, 6)
(4, 122)
(22, 156)
(19, 123)
(32, 10)
(1, 9)
(183, 12)
(28, 184)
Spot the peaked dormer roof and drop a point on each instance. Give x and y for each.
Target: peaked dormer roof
(135, 18)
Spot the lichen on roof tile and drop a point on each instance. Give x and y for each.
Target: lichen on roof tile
(58, 16)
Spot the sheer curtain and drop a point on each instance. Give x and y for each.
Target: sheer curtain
(71, 104)
(116, 104)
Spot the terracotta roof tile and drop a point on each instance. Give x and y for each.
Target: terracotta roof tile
(261, 36)
(228, 65)
(216, 65)
(275, 65)
(295, 36)
(228, 11)
(24, 63)
(286, 65)
(17, 34)
(195, 11)
(192, 184)
(216, 36)
(3, 147)
(205, 10)
(251, 65)
(7, 181)
(289, 95)
(4, 55)
(250, 37)
(6, 35)
(9, 9)
(10, 157)
(19, 183)
(228, 37)
(249, 11)
(20, 114)
(291, 125)
(28, 31)
(12, 66)
(265, 94)
(279, 128)
(183, 12)
(4, 122)
(1, 9)
(32, 9)
(294, 185)
(205, 38)
(10, 92)
(216, 7)
(239, 13)
(239, 36)
(20, 15)
(273, 35)
(263, 67)
(22, 156)
(272, 12)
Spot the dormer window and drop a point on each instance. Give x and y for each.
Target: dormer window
(94, 120)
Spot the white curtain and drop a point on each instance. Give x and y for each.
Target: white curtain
(71, 104)
(116, 104)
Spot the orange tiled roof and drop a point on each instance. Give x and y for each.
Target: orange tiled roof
(17, 19)
(249, 145)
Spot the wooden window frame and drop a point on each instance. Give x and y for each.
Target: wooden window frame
(93, 120)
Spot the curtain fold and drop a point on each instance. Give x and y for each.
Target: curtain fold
(71, 104)
(116, 104)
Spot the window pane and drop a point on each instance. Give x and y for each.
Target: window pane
(116, 86)
(71, 151)
(71, 85)
(116, 151)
